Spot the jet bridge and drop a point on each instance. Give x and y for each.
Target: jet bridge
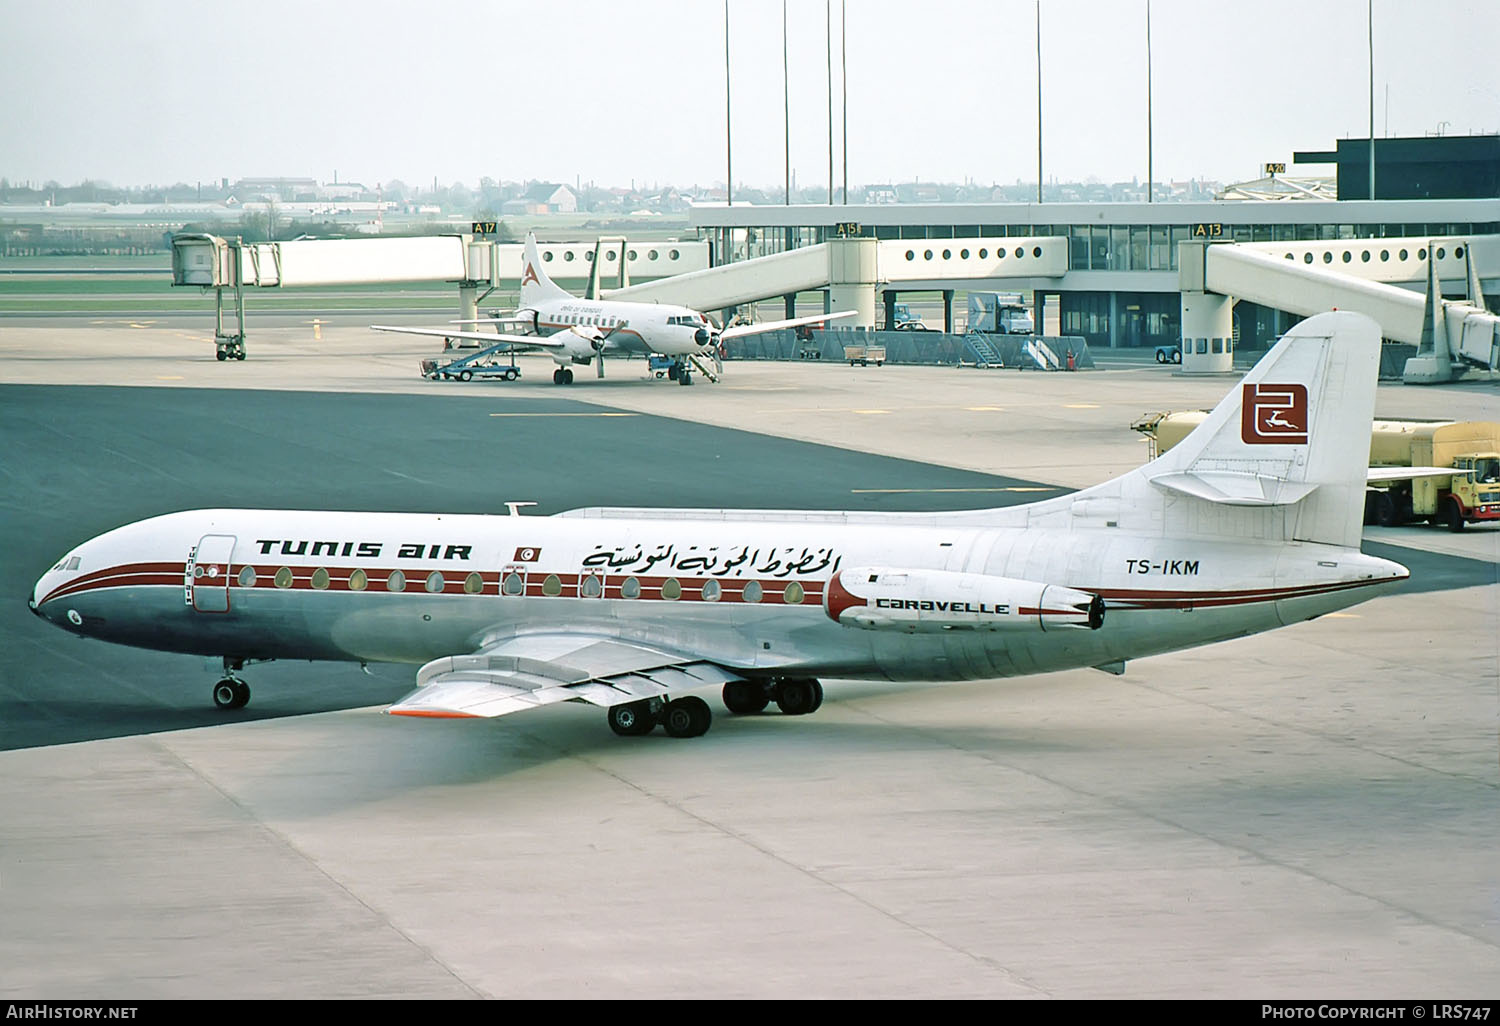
(853, 270)
(1311, 277)
(473, 264)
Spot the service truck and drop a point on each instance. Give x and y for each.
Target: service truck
(1000, 313)
(1439, 471)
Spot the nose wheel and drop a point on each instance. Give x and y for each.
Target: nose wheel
(231, 693)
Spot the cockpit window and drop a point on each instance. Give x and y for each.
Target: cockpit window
(71, 563)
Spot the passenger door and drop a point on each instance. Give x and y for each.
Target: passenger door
(208, 573)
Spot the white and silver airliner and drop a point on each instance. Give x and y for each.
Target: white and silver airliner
(1251, 523)
(577, 331)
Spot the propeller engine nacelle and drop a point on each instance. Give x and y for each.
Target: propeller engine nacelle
(581, 343)
(923, 601)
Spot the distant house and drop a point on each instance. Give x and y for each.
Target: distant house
(918, 192)
(279, 188)
(345, 190)
(543, 198)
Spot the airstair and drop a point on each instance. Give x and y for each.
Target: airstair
(1042, 353)
(985, 354)
(704, 369)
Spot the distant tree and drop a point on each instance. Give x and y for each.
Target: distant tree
(252, 226)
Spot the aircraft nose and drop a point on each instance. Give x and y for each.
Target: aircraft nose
(40, 601)
(34, 600)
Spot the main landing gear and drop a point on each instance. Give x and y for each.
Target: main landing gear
(690, 716)
(231, 692)
(562, 376)
(681, 717)
(794, 696)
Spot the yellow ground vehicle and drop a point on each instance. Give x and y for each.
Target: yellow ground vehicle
(1446, 472)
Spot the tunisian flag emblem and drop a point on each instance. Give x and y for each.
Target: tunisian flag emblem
(527, 554)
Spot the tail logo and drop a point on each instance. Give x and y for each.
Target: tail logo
(530, 276)
(1274, 415)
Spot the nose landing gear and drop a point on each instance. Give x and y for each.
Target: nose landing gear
(231, 692)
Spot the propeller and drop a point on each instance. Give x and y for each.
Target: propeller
(598, 344)
(711, 338)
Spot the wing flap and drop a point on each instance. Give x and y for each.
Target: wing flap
(536, 670)
(492, 338)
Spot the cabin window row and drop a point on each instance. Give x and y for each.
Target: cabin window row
(984, 253)
(590, 586)
(612, 255)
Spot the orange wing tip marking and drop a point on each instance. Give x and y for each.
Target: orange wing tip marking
(432, 714)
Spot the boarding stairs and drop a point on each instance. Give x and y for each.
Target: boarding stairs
(1042, 353)
(704, 369)
(985, 353)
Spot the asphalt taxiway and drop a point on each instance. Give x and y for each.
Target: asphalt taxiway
(1307, 813)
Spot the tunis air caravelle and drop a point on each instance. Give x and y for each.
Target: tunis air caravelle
(1251, 523)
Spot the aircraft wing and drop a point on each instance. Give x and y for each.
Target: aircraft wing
(1381, 475)
(795, 322)
(541, 669)
(487, 337)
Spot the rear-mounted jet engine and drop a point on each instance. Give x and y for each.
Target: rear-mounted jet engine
(921, 601)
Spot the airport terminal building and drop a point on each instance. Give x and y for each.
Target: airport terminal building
(1121, 286)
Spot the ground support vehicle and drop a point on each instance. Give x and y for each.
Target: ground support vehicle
(482, 364)
(1437, 471)
(1442, 472)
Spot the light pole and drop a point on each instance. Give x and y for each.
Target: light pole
(728, 142)
(1038, 101)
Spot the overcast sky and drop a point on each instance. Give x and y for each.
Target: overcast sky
(140, 92)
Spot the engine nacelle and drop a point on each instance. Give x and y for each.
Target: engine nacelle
(921, 601)
(579, 344)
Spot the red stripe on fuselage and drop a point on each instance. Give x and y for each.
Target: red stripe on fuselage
(112, 577)
(569, 584)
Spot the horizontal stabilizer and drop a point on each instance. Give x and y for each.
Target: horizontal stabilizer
(1236, 488)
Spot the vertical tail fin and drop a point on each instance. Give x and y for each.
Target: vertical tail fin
(536, 287)
(1295, 432)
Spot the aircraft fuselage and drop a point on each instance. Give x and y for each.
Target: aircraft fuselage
(850, 599)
